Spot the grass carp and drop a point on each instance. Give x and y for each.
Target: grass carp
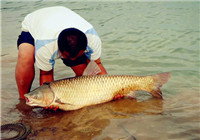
(77, 92)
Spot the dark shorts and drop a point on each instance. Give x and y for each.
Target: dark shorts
(78, 61)
(25, 37)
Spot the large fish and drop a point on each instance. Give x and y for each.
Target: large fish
(75, 93)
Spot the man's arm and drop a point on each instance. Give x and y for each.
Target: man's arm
(25, 71)
(79, 69)
(46, 76)
(103, 70)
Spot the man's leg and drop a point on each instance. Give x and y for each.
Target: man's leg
(25, 70)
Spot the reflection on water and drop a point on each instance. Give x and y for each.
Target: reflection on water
(139, 38)
(88, 122)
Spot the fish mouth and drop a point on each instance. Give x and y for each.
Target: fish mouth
(29, 101)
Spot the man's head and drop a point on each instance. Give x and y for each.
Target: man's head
(72, 43)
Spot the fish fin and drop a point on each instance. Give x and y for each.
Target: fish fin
(60, 102)
(131, 95)
(92, 69)
(159, 80)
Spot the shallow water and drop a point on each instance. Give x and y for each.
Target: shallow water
(139, 38)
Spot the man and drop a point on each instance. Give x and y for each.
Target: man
(52, 33)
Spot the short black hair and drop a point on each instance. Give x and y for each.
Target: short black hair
(65, 45)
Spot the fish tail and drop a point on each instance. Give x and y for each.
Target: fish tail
(159, 80)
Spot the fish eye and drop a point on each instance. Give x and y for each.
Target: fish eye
(36, 97)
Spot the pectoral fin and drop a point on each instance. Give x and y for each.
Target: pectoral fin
(62, 103)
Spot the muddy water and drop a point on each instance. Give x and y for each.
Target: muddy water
(139, 38)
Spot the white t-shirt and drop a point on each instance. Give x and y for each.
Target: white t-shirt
(45, 26)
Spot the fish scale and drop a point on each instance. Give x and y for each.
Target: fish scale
(88, 90)
(77, 92)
